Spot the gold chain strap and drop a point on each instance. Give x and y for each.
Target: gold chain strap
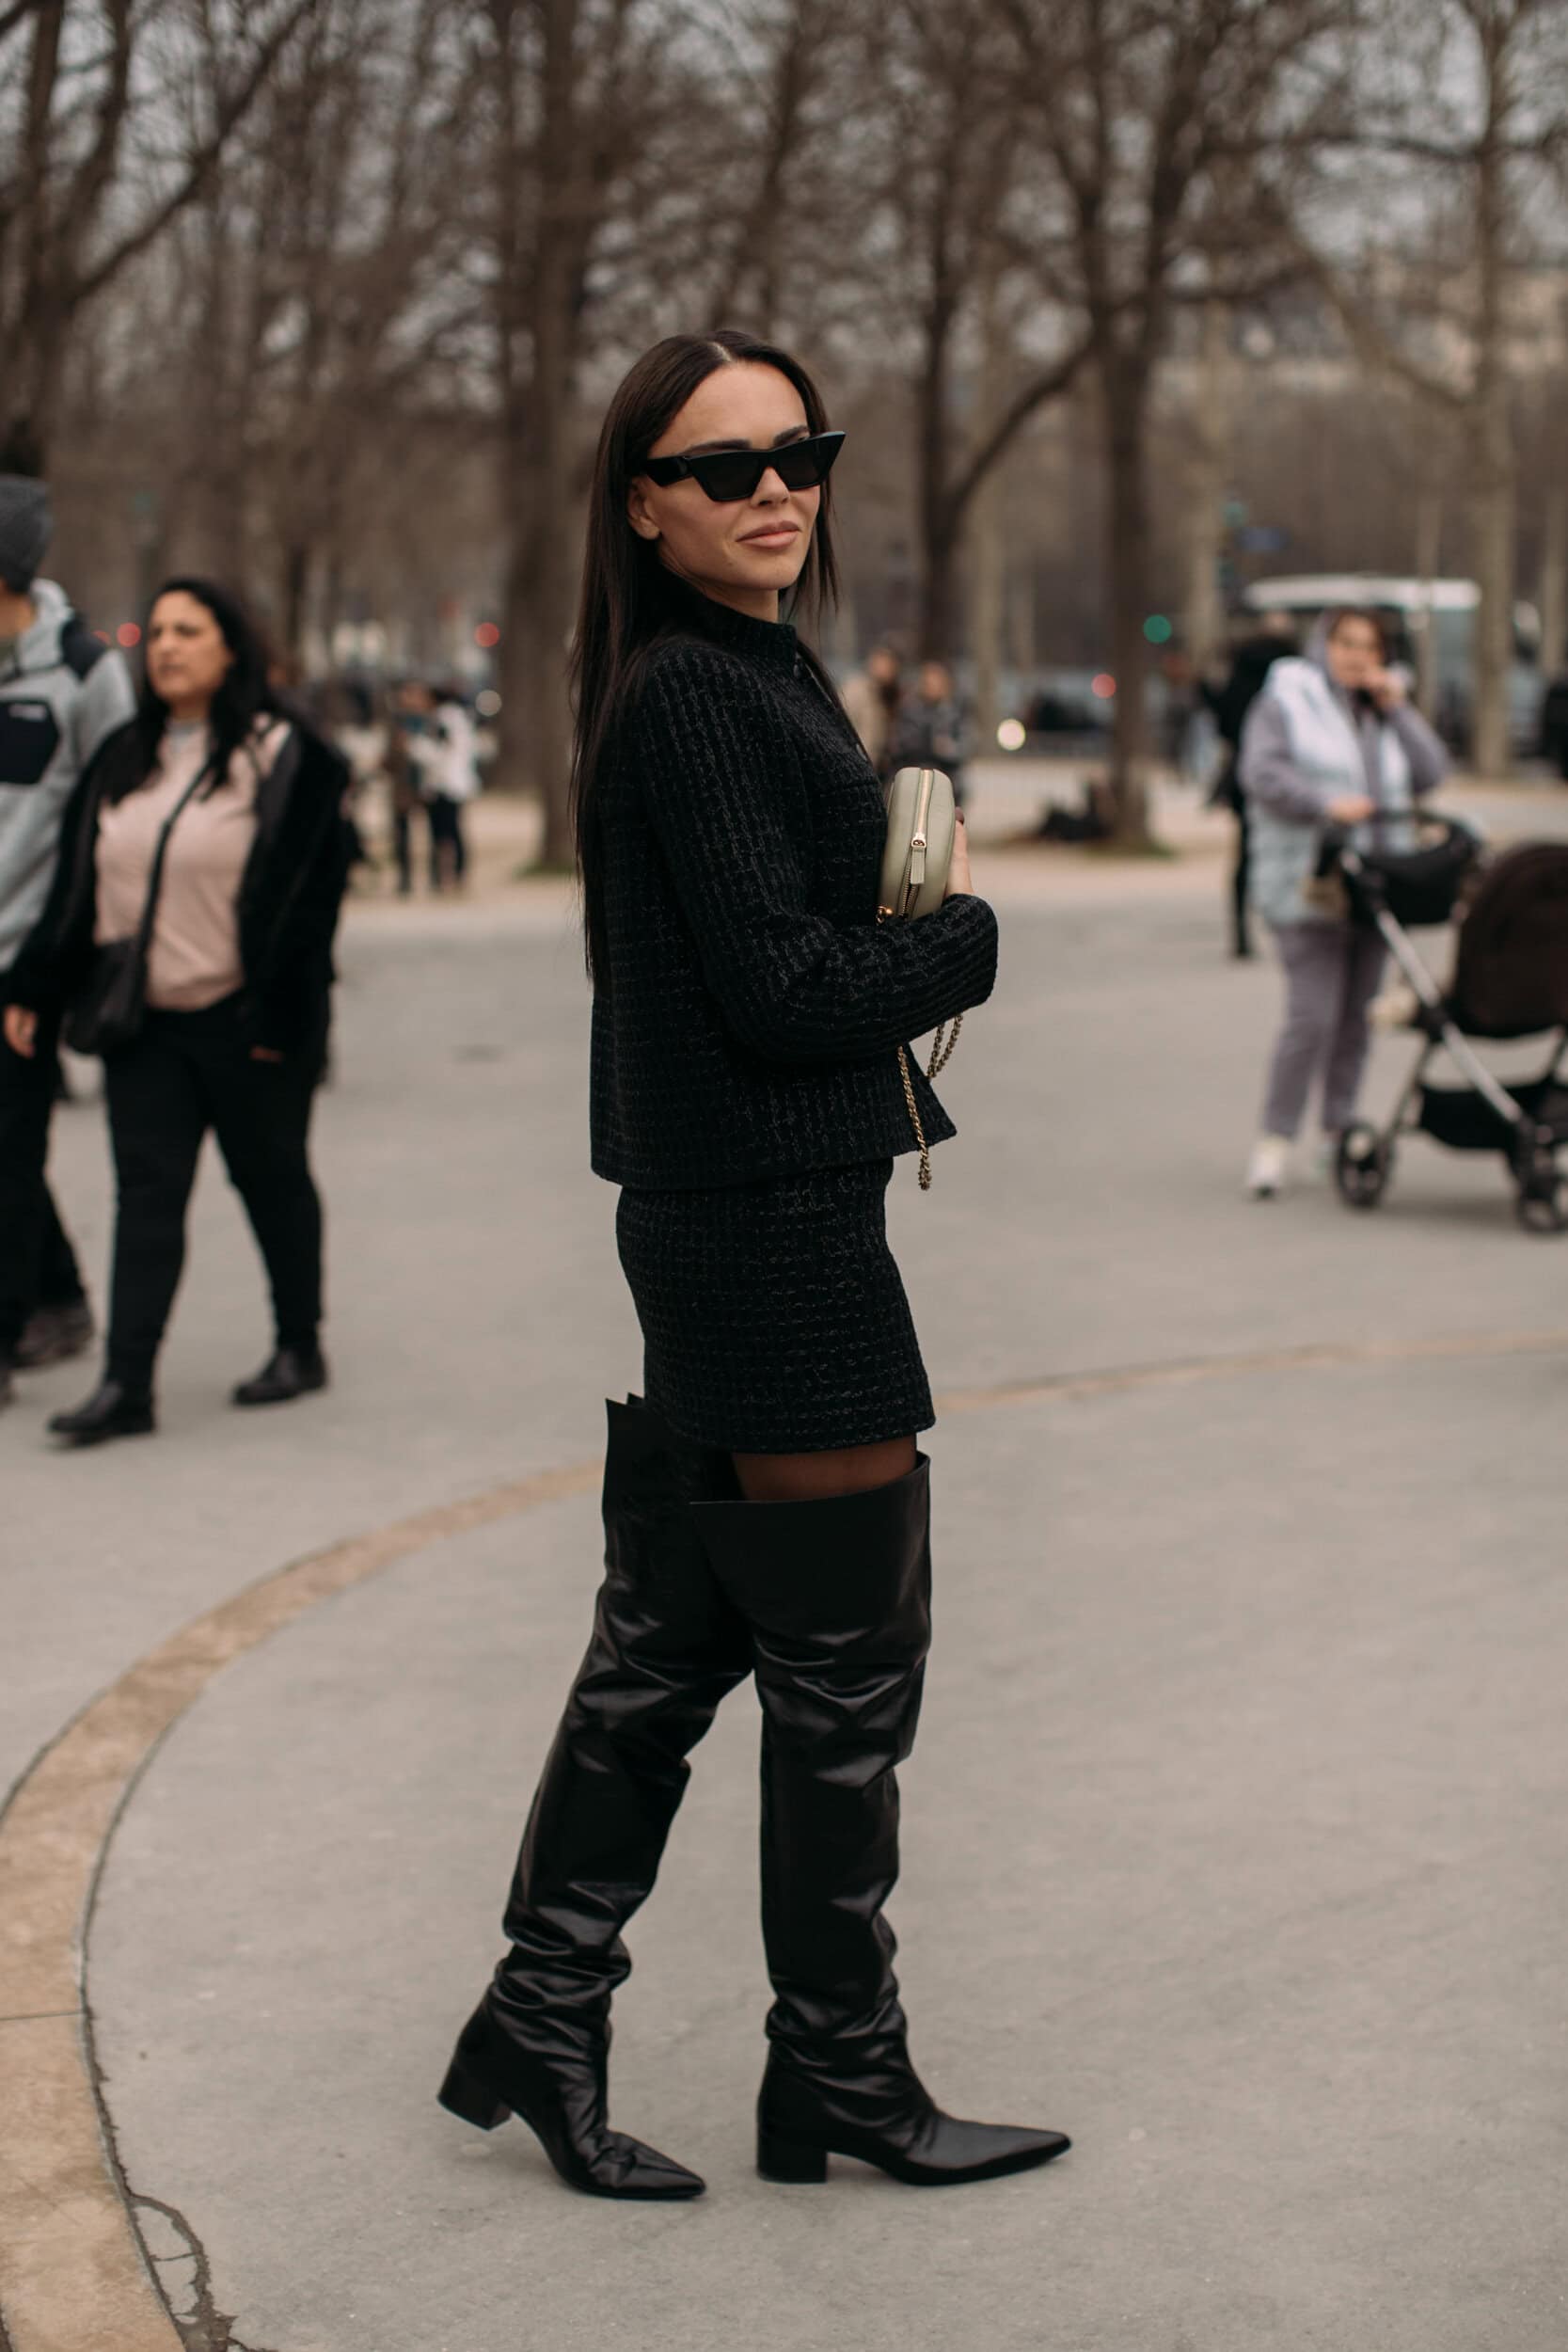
(941, 1053)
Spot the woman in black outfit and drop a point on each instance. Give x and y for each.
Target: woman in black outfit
(766, 1509)
(238, 973)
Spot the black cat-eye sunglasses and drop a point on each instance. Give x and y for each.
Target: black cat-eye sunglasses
(727, 474)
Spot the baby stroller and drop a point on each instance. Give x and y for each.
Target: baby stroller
(1511, 980)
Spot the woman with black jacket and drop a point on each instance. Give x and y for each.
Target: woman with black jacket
(238, 980)
(766, 1509)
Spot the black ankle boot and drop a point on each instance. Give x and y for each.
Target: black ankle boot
(665, 1649)
(837, 1594)
(113, 1410)
(288, 1372)
(563, 2101)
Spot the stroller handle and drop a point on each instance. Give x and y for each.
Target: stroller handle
(1335, 841)
(1415, 887)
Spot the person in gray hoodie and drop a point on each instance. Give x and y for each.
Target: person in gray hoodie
(62, 693)
(1331, 741)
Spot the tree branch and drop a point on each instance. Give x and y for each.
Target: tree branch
(232, 112)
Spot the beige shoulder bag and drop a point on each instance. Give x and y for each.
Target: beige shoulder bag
(920, 821)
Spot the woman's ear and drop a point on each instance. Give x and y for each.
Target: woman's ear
(638, 515)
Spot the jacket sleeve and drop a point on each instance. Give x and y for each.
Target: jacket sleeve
(55, 957)
(1423, 748)
(313, 848)
(791, 985)
(1269, 774)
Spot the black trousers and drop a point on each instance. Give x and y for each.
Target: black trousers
(403, 845)
(38, 1265)
(1241, 879)
(185, 1073)
(445, 827)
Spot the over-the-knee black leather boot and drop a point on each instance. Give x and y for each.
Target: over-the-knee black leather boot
(666, 1648)
(837, 1594)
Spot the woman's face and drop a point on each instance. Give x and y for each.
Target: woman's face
(186, 657)
(1354, 655)
(740, 552)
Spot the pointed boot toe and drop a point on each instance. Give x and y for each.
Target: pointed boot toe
(629, 2168)
(559, 2094)
(944, 2152)
(948, 2149)
(800, 2123)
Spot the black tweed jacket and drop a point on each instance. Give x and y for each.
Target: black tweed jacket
(749, 1021)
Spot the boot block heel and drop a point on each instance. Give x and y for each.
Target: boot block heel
(464, 2095)
(795, 2162)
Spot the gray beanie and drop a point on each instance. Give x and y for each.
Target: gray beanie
(25, 525)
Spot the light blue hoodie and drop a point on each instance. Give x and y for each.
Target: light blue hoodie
(62, 693)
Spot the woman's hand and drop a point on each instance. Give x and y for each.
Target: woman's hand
(1351, 808)
(1386, 689)
(21, 1029)
(959, 882)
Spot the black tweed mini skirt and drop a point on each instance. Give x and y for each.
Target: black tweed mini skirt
(773, 1316)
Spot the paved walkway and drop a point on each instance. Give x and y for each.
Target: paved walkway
(1234, 1830)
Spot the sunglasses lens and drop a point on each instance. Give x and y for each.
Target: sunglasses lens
(730, 474)
(803, 464)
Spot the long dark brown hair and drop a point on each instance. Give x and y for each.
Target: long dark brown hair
(246, 696)
(630, 599)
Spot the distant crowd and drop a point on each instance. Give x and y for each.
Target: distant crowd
(904, 725)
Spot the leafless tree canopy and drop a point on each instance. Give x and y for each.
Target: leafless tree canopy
(327, 295)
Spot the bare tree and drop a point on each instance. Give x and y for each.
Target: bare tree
(114, 121)
(565, 91)
(1470, 106)
(1151, 113)
(948, 192)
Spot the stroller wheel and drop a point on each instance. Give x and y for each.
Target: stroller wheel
(1363, 1165)
(1540, 1203)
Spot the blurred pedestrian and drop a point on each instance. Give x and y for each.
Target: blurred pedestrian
(872, 696)
(62, 690)
(1250, 662)
(929, 730)
(203, 851)
(1181, 702)
(413, 719)
(767, 1509)
(1331, 741)
(449, 764)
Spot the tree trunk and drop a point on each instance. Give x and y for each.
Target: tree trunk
(1203, 610)
(539, 291)
(988, 532)
(1494, 514)
(938, 536)
(989, 572)
(1429, 541)
(1493, 465)
(938, 590)
(294, 612)
(1124, 395)
(1552, 593)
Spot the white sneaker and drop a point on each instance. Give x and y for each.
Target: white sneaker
(1265, 1174)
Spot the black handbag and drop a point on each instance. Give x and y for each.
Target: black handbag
(108, 1010)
